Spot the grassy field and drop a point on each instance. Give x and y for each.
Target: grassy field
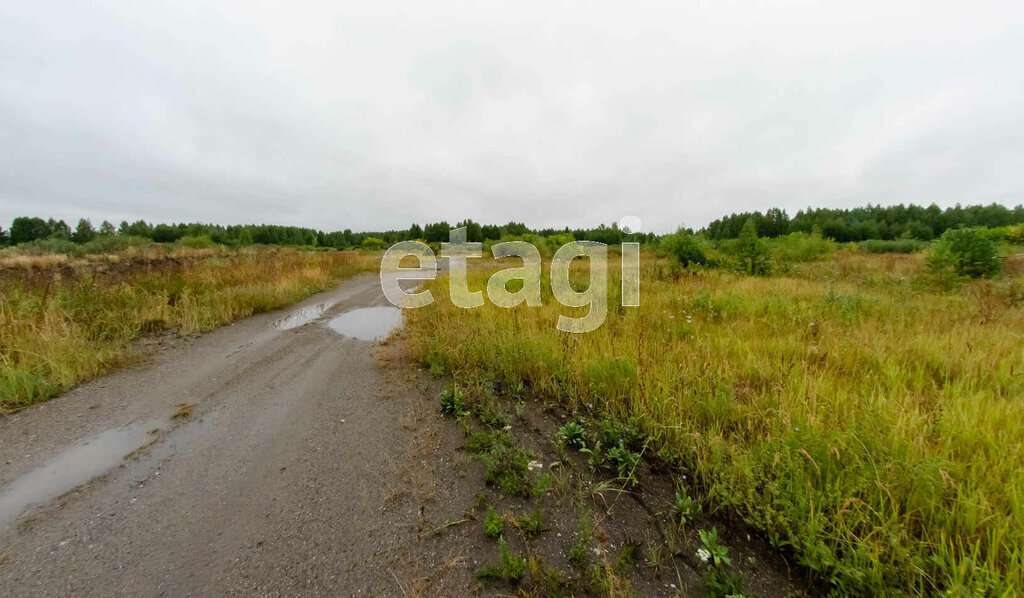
(65, 321)
(863, 413)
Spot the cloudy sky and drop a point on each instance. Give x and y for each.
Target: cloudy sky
(373, 115)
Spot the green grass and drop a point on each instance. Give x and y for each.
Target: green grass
(59, 333)
(863, 413)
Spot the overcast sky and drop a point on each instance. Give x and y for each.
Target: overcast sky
(376, 114)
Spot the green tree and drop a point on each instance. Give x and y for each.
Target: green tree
(474, 232)
(24, 229)
(5, 238)
(967, 251)
(107, 228)
(84, 232)
(436, 232)
(139, 228)
(751, 250)
(491, 231)
(163, 233)
(415, 231)
(59, 229)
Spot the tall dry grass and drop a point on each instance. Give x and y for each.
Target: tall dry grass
(865, 416)
(57, 334)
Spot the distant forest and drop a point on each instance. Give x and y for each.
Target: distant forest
(30, 229)
(843, 225)
(870, 222)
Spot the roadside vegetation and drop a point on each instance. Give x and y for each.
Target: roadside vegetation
(847, 382)
(861, 409)
(571, 509)
(66, 321)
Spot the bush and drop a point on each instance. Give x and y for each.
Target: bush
(200, 242)
(801, 247)
(751, 250)
(892, 246)
(1010, 234)
(99, 245)
(163, 233)
(688, 249)
(372, 244)
(967, 251)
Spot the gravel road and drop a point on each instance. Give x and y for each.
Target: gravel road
(269, 457)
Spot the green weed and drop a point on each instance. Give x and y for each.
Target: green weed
(494, 524)
(453, 402)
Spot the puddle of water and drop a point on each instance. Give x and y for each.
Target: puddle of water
(368, 323)
(73, 467)
(303, 315)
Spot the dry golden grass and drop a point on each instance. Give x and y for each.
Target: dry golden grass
(60, 333)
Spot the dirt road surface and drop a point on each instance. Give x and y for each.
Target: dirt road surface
(263, 458)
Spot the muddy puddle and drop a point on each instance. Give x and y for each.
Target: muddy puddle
(368, 323)
(72, 467)
(303, 315)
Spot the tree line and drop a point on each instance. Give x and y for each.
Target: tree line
(869, 222)
(841, 224)
(30, 229)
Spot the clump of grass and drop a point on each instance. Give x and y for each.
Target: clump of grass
(627, 557)
(579, 554)
(511, 569)
(542, 485)
(548, 581)
(508, 466)
(492, 417)
(183, 411)
(531, 524)
(854, 409)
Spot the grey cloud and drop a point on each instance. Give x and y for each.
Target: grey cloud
(340, 115)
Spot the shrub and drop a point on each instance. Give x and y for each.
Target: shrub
(686, 248)
(372, 244)
(967, 251)
(801, 247)
(1010, 234)
(196, 242)
(752, 251)
(892, 246)
(100, 244)
(112, 243)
